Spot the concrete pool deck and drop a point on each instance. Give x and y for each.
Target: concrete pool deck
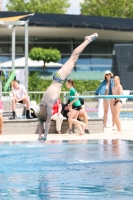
(127, 134)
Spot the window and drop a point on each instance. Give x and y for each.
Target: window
(99, 47)
(83, 60)
(101, 60)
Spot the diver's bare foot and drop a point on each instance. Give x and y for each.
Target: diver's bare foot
(40, 137)
(91, 37)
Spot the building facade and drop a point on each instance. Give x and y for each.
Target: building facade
(66, 32)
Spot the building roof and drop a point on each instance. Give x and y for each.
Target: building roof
(75, 21)
(13, 18)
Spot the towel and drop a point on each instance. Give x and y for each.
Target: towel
(102, 88)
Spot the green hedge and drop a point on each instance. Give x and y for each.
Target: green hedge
(38, 84)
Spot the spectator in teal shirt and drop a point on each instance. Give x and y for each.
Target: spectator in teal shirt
(72, 93)
(74, 107)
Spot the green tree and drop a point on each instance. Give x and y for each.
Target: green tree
(39, 6)
(108, 8)
(46, 55)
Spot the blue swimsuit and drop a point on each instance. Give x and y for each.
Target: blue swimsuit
(57, 77)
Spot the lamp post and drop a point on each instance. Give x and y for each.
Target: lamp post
(13, 47)
(26, 54)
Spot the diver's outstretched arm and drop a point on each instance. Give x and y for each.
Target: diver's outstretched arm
(66, 69)
(48, 121)
(41, 129)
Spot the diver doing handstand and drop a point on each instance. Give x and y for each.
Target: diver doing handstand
(54, 90)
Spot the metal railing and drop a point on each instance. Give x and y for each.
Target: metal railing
(34, 96)
(93, 102)
(37, 96)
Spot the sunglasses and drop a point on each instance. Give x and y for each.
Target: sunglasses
(108, 74)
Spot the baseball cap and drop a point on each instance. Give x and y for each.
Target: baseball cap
(107, 72)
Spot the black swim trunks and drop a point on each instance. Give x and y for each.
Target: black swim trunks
(20, 101)
(76, 107)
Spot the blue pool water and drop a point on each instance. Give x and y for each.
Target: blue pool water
(97, 169)
(123, 115)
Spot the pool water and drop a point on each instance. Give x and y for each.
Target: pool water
(97, 169)
(123, 114)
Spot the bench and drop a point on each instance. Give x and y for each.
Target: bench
(7, 112)
(30, 126)
(95, 126)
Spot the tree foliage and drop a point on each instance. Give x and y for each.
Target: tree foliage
(108, 8)
(39, 6)
(46, 55)
(38, 84)
(35, 83)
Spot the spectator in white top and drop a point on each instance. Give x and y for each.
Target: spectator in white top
(20, 96)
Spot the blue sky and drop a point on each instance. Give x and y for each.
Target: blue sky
(74, 9)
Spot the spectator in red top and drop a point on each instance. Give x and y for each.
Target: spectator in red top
(57, 116)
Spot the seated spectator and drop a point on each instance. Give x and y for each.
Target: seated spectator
(1, 117)
(57, 116)
(1, 123)
(81, 116)
(20, 96)
(65, 109)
